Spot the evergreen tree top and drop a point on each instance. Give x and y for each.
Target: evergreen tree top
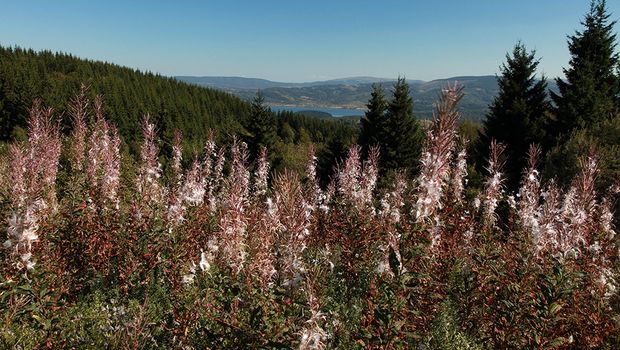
(520, 65)
(518, 115)
(597, 42)
(590, 91)
(377, 99)
(401, 102)
(373, 122)
(258, 108)
(518, 74)
(598, 16)
(261, 126)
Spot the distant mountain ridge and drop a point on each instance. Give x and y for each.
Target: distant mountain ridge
(242, 83)
(354, 92)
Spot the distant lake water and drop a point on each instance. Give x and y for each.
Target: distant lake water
(335, 112)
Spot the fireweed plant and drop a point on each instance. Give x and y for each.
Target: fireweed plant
(216, 251)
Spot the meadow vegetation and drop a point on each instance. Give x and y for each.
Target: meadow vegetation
(223, 253)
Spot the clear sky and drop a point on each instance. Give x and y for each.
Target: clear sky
(292, 40)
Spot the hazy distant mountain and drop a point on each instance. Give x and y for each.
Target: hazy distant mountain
(241, 83)
(354, 92)
(351, 81)
(234, 83)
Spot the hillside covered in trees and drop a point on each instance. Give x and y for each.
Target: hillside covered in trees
(129, 94)
(26, 75)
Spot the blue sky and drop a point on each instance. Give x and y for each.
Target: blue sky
(301, 40)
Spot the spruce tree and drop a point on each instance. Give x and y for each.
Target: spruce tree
(402, 136)
(373, 122)
(261, 126)
(517, 116)
(591, 90)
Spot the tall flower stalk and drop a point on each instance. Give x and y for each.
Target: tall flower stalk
(357, 180)
(104, 161)
(313, 190)
(458, 176)
(78, 110)
(32, 195)
(436, 158)
(295, 218)
(493, 185)
(261, 175)
(232, 217)
(150, 191)
(529, 196)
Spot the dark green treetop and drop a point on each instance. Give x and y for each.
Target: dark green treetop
(591, 90)
(373, 123)
(261, 125)
(402, 138)
(518, 115)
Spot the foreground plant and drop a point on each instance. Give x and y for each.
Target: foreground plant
(33, 168)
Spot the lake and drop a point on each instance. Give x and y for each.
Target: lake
(336, 112)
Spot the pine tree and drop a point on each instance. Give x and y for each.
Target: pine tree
(402, 136)
(373, 122)
(591, 90)
(517, 116)
(261, 126)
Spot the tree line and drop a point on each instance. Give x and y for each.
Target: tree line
(583, 117)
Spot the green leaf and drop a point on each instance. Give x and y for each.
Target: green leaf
(557, 342)
(554, 308)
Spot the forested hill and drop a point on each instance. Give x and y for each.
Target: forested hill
(128, 95)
